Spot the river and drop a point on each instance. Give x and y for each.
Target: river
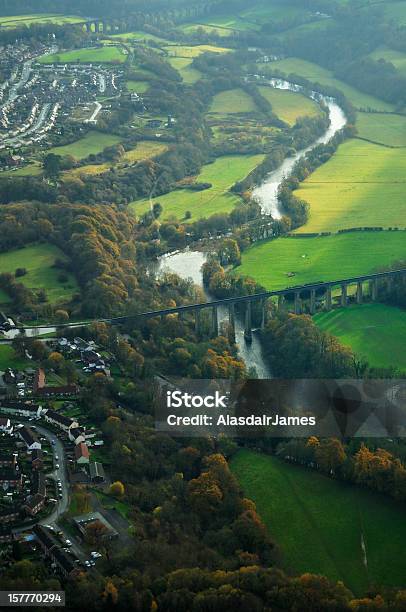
(187, 263)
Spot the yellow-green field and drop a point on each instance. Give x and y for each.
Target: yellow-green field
(287, 262)
(389, 130)
(375, 332)
(232, 101)
(15, 21)
(288, 105)
(316, 73)
(139, 86)
(362, 185)
(38, 260)
(183, 65)
(91, 144)
(189, 51)
(222, 174)
(109, 54)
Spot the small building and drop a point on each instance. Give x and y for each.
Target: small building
(83, 521)
(9, 515)
(33, 504)
(81, 453)
(10, 478)
(39, 380)
(65, 391)
(37, 459)
(60, 420)
(30, 438)
(76, 435)
(5, 424)
(20, 408)
(38, 486)
(8, 460)
(96, 471)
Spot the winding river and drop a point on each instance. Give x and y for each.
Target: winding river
(187, 263)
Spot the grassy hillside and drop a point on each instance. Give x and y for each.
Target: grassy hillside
(288, 105)
(271, 263)
(232, 101)
(318, 522)
(92, 143)
(389, 130)
(107, 54)
(374, 331)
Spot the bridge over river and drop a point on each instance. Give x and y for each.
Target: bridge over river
(303, 298)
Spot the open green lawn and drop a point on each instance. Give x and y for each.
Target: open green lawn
(362, 185)
(272, 262)
(9, 359)
(91, 144)
(183, 65)
(318, 522)
(397, 58)
(31, 169)
(222, 174)
(389, 130)
(316, 73)
(232, 101)
(376, 332)
(108, 54)
(15, 21)
(138, 86)
(288, 105)
(38, 260)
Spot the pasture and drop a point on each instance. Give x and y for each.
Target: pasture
(192, 51)
(318, 522)
(362, 185)
(317, 74)
(376, 332)
(389, 130)
(397, 58)
(288, 105)
(91, 144)
(286, 262)
(222, 174)
(183, 65)
(9, 359)
(232, 101)
(108, 54)
(38, 260)
(16, 21)
(139, 87)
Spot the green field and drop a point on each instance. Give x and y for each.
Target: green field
(318, 523)
(15, 21)
(91, 144)
(232, 101)
(107, 55)
(38, 260)
(388, 130)
(288, 105)
(139, 36)
(397, 58)
(376, 332)
(316, 73)
(8, 359)
(272, 263)
(222, 174)
(138, 86)
(183, 65)
(362, 185)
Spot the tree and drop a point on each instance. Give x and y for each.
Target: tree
(62, 316)
(117, 489)
(52, 165)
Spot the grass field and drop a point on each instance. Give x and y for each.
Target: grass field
(318, 522)
(222, 174)
(38, 260)
(320, 259)
(91, 144)
(105, 55)
(139, 36)
(362, 185)
(139, 86)
(15, 21)
(376, 332)
(316, 73)
(397, 58)
(31, 169)
(289, 106)
(189, 51)
(8, 359)
(389, 130)
(232, 101)
(183, 66)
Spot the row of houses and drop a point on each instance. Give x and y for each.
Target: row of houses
(52, 550)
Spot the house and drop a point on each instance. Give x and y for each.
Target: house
(39, 380)
(76, 435)
(60, 420)
(8, 460)
(38, 486)
(51, 548)
(10, 478)
(9, 515)
(33, 504)
(37, 459)
(82, 522)
(30, 438)
(81, 453)
(5, 424)
(20, 408)
(96, 472)
(64, 561)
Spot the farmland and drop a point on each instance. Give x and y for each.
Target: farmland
(91, 144)
(183, 65)
(349, 190)
(397, 58)
(15, 21)
(389, 130)
(138, 86)
(272, 263)
(317, 74)
(299, 508)
(376, 332)
(221, 174)
(108, 54)
(289, 106)
(38, 260)
(193, 51)
(232, 101)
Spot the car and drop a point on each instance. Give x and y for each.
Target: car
(52, 500)
(56, 457)
(68, 543)
(53, 442)
(60, 495)
(87, 563)
(92, 563)
(95, 555)
(57, 466)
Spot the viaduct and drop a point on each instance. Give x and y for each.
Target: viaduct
(299, 299)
